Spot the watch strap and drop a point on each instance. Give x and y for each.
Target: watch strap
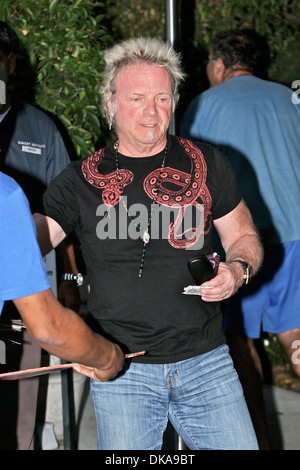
(73, 277)
(247, 270)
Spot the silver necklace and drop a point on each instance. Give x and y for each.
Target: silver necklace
(146, 231)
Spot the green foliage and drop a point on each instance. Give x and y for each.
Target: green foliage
(274, 350)
(131, 18)
(65, 40)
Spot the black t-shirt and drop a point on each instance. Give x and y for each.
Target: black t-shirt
(148, 313)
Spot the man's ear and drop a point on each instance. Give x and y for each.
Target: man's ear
(219, 70)
(11, 60)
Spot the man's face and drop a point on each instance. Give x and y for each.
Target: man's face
(143, 108)
(7, 66)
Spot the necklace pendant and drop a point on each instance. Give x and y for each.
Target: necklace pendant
(146, 237)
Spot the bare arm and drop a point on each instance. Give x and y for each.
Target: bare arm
(49, 233)
(68, 292)
(63, 333)
(240, 241)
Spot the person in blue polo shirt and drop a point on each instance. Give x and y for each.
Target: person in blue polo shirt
(33, 153)
(23, 279)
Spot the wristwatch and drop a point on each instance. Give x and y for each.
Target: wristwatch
(73, 277)
(248, 270)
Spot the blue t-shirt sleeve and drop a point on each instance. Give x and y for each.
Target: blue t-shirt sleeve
(22, 269)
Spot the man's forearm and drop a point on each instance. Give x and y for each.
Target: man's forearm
(92, 349)
(239, 238)
(62, 332)
(247, 248)
(66, 256)
(240, 242)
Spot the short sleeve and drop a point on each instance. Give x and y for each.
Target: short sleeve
(221, 180)
(22, 270)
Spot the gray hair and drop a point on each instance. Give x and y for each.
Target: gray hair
(132, 51)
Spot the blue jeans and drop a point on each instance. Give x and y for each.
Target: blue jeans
(202, 397)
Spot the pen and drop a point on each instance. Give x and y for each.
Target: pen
(140, 353)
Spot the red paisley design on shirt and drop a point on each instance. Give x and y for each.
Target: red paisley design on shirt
(192, 187)
(112, 187)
